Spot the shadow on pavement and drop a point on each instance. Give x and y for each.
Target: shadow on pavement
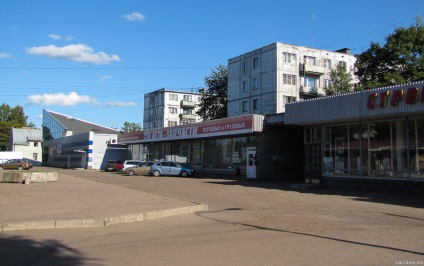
(17, 250)
(385, 197)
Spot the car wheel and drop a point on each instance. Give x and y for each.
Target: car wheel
(131, 172)
(105, 169)
(20, 168)
(184, 174)
(156, 173)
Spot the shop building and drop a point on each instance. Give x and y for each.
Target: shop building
(245, 145)
(74, 143)
(374, 136)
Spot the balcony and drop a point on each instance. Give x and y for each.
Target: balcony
(187, 117)
(311, 69)
(306, 90)
(189, 104)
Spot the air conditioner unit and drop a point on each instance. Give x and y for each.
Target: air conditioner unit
(113, 141)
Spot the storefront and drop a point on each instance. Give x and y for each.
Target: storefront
(374, 134)
(220, 146)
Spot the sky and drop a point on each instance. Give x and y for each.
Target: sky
(94, 60)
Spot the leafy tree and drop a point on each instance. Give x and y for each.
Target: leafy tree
(10, 117)
(398, 61)
(213, 103)
(341, 81)
(131, 127)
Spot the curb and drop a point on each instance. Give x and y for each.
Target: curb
(102, 222)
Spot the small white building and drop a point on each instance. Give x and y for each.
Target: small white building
(166, 108)
(264, 80)
(28, 141)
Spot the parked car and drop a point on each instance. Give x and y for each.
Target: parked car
(113, 165)
(130, 163)
(171, 168)
(140, 169)
(19, 164)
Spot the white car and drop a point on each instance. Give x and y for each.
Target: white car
(130, 163)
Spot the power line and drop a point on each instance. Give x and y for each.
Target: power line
(368, 33)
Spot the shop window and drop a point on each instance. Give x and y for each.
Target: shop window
(380, 150)
(223, 152)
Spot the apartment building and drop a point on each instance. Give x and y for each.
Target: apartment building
(167, 108)
(264, 80)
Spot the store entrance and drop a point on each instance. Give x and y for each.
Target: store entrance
(251, 162)
(312, 166)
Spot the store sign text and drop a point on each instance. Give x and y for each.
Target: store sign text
(395, 97)
(171, 133)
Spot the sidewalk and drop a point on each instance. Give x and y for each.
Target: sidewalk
(73, 202)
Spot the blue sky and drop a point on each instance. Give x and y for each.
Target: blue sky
(95, 60)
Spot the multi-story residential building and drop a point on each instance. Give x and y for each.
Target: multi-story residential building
(166, 108)
(263, 81)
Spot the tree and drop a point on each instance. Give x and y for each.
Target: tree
(398, 61)
(10, 117)
(341, 81)
(131, 127)
(213, 104)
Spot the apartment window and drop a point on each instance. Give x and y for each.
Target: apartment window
(172, 123)
(188, 98)
(243, 66)
(172, 110)
(327, 63)
(156, 111)
(289, 58)
(173, 97)
(255, 62)
(35, 156)
(289, 99)
(312, 82)
(255, 83)
(255, 104)
(35, 144)
(327, 82)
(289, 79)
(310, 60)
(245, 85)
(188, 111)
(343, 64)
(244, 106)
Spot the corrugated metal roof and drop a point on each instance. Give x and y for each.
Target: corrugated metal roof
(352, 107)
(78, 126)
(23, 135)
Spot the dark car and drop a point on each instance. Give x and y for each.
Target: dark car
(113, 165)
(171, 168)
(18, 164)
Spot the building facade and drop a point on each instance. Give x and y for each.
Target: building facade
(264, 80)
(370, 135)
(28, 141)
(74, 143)
(165, 108)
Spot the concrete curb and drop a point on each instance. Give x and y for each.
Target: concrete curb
(102, 222)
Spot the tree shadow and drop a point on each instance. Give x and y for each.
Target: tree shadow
(18, 250)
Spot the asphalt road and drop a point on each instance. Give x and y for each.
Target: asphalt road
(248, 223)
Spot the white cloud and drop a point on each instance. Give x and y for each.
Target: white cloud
(105, 77)
(135, 16)
(54, 36)
(74, 52)
(4, 55)
(121, 104)
(60, 99)
(69, 38)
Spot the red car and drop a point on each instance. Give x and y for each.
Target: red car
(113, 165)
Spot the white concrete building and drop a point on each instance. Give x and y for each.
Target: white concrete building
(28, 141)
(166, 108)
(264, 80)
